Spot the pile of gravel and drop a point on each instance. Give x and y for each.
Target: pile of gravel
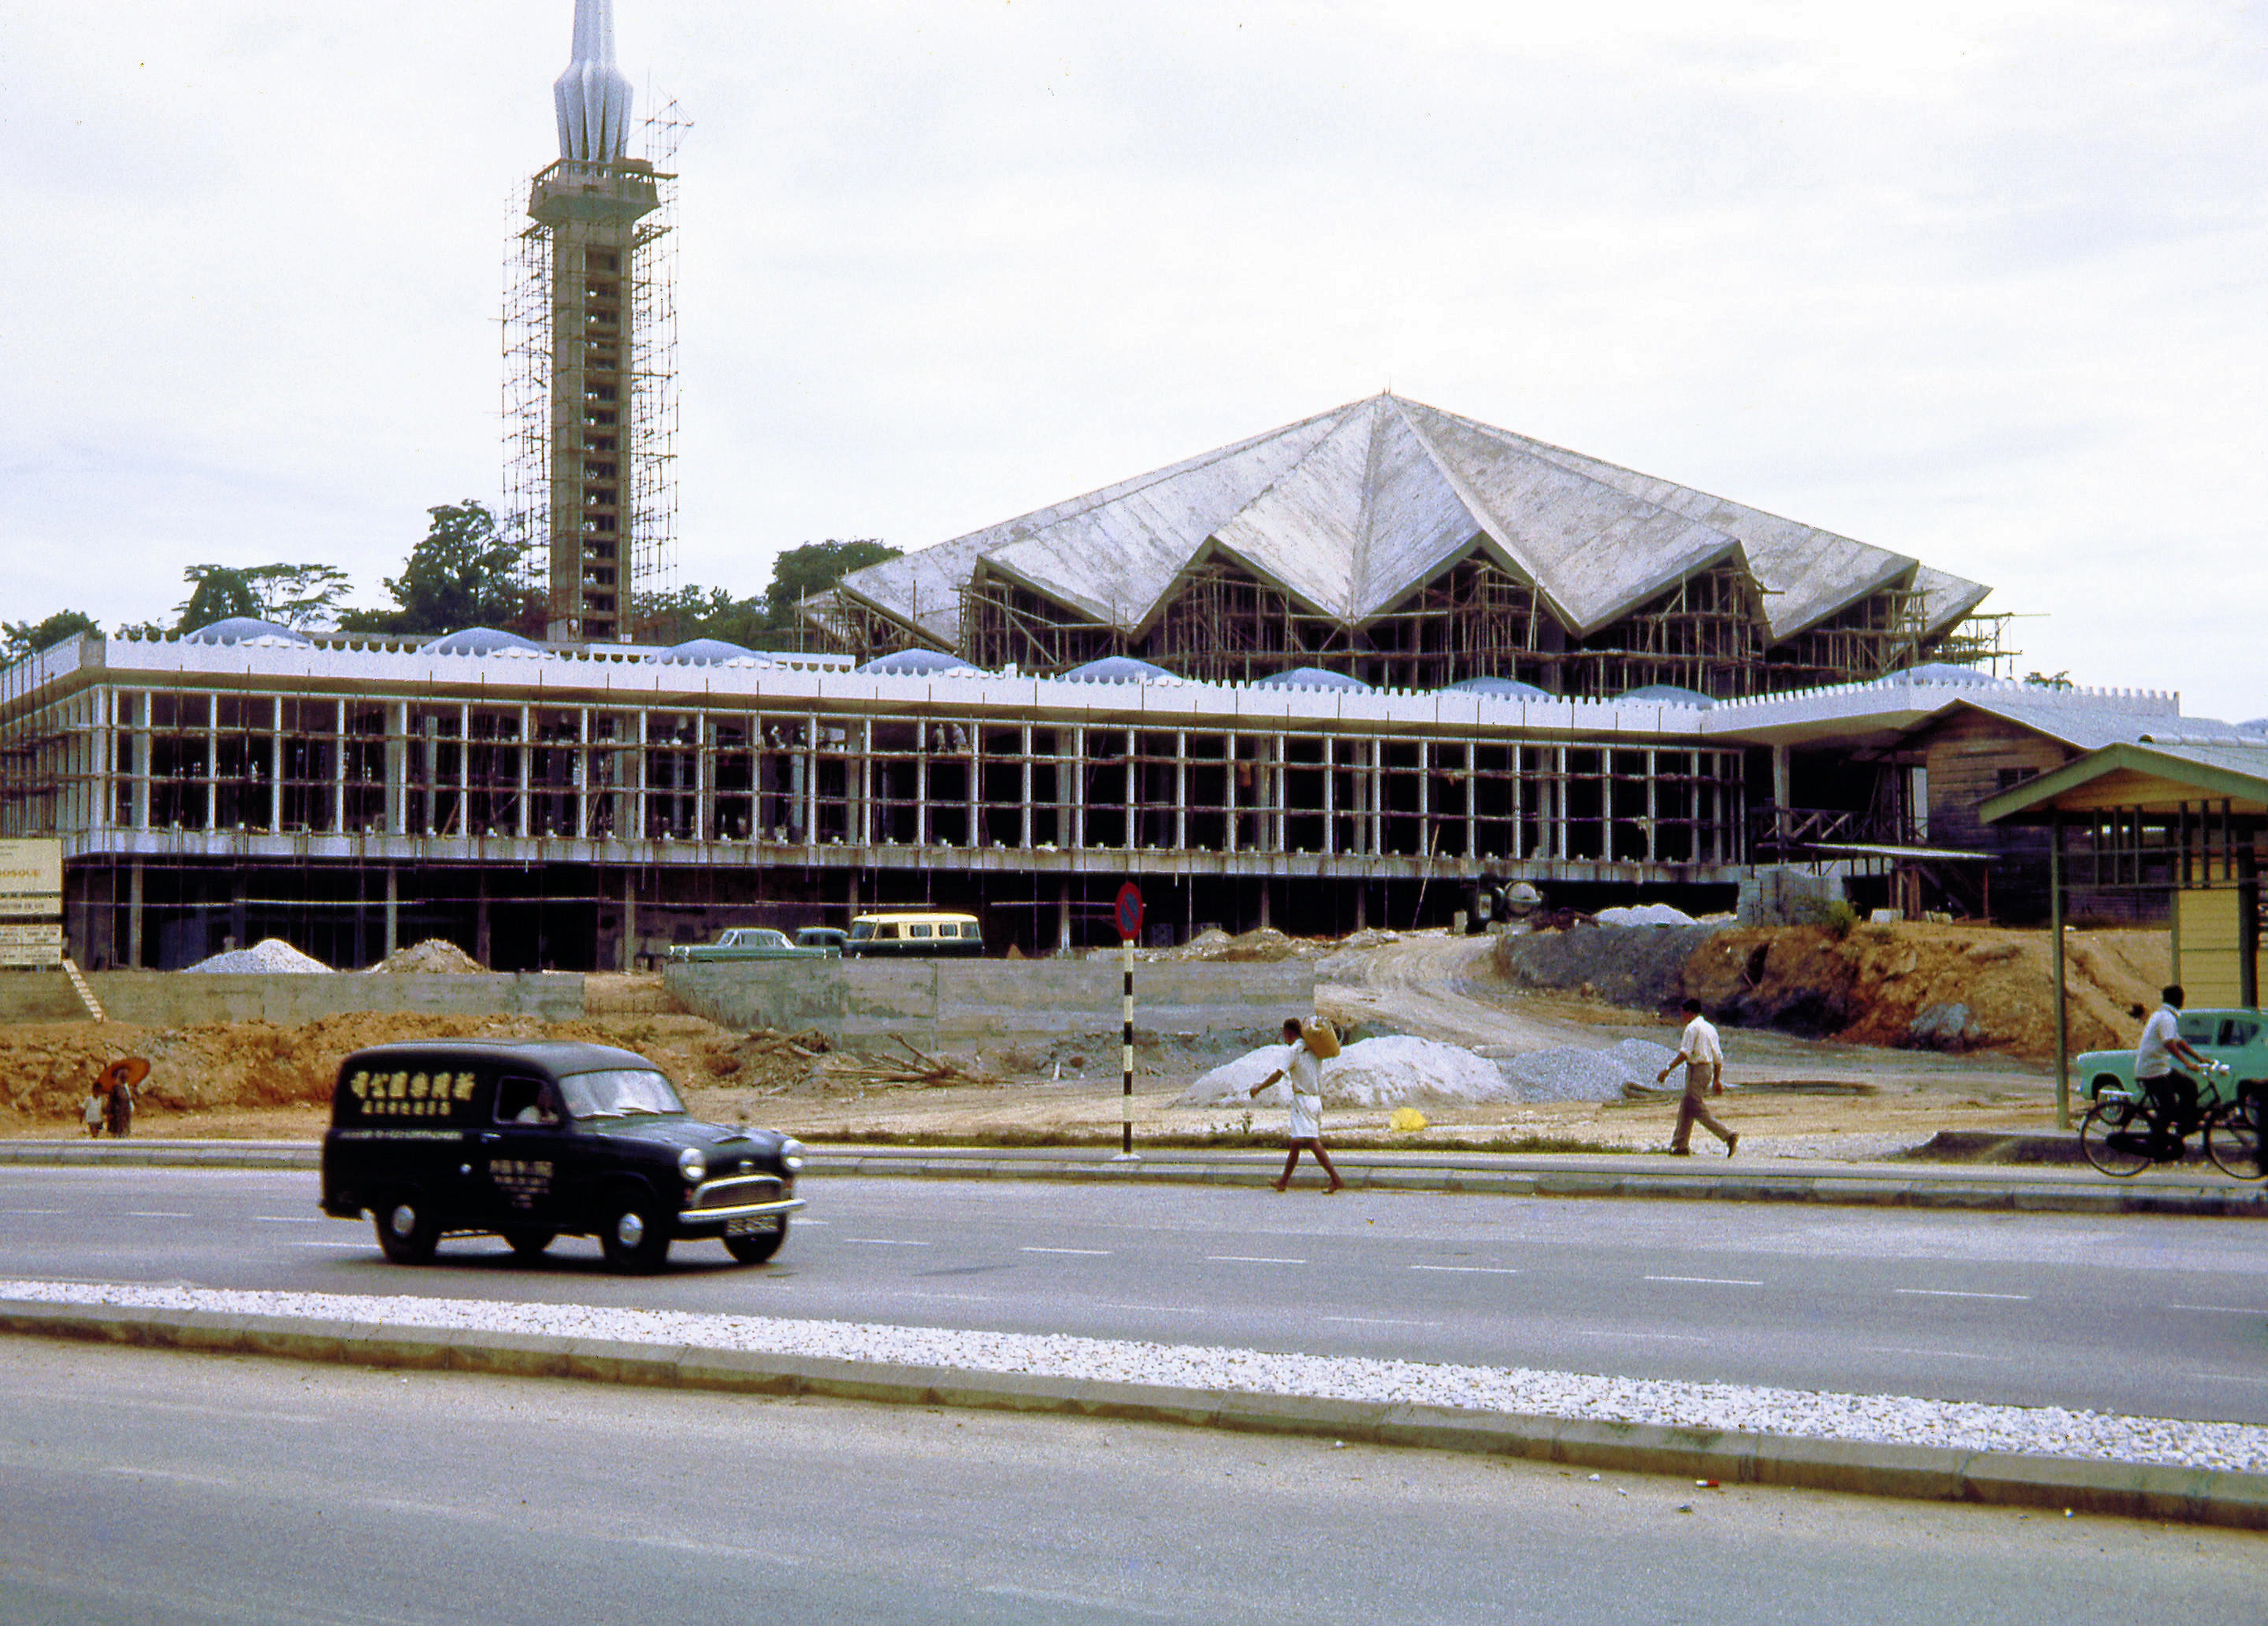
(1735, 1407)
(1644, 915)
(1374, 1072)
(269, 957)
(1573, 1075)
(434, 954)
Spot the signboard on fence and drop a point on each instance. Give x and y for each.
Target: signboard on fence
(30, 878)
(31, 902)
(25, 943)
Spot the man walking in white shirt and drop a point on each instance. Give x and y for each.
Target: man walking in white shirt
(1704, 1061)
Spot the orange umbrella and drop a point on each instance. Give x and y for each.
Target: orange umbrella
(128, 1071)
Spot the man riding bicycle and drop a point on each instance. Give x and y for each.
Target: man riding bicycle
(2172, 1094)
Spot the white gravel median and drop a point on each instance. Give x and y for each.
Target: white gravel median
(1884, 1419)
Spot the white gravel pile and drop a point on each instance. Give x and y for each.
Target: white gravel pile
(269, 957)
(1373, 1072)
(1645, 915)
(1886, 1419)
(1573, 1075)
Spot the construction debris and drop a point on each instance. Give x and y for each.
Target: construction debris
(856, 1069)
(434, 954)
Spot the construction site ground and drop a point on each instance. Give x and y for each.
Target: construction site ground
(1788, 1096)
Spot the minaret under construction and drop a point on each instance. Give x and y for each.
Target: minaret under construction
(589, 344)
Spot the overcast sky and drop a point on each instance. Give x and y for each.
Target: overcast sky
(1980, 284)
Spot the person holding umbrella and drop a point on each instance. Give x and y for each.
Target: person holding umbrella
(116, 1086)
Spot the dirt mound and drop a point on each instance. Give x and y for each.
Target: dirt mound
(434, 954)
(1923, 986)
(1641, 967)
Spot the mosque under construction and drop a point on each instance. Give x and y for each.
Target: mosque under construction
(1342, 672)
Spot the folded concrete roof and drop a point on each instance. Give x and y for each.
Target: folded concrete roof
(1350, 510)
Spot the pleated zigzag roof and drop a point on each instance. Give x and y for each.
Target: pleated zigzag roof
(1350, 510)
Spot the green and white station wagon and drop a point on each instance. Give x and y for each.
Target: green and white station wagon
(2238, 1037)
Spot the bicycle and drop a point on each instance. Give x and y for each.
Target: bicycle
(2124, 1133)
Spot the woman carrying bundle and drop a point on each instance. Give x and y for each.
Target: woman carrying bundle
(1310, 1048)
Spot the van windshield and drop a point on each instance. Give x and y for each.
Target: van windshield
(860, 930)
(619, 1093)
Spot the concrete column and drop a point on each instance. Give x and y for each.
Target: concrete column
(1331, 796)
(134, 914)
(1063, 917)
(1263, 901)
(1228, 792)
(141, 764)
(526, 752)
(1652, 803)
(630, 919)
(809, 757)
(1074, 787)
(1779, 776)
(481, 950)
(1024, 824)
(921, 786)
(397, 768)
(465, 771)
(275, 767)
(392, 909)
(1133, 834)
(1181, 795)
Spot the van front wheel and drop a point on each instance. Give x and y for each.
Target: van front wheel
(634, 1240)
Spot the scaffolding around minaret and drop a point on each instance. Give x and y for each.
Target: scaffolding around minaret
(590, 388)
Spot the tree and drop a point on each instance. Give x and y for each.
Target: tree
(816, 568)
(2047, 680)
(703, 613)
(20, 639)
(466, 573)
(216, 591)
(299, 596)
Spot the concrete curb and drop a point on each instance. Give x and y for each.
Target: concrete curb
(1874, 1185)
(2121, 1490)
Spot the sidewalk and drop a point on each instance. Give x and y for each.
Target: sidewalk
(2052, 1189)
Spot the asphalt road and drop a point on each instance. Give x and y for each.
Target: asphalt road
(2158, 1316)
(162, 1490)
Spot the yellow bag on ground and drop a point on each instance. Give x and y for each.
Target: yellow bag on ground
(1406, 1121)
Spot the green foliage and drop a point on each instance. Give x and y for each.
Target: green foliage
(465, 573)
(21, 638)
(1836, 916)
(815, 568)
(299, 596)
(2047, 680)
(217, 592)
(704, 612)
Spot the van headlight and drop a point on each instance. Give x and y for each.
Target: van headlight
(790, 1155)
(693, 1166)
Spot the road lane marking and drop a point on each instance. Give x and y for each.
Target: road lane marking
(1159, 1309)
(65, 1210)
(1251, 1259)
(358, 1247)
(1947, 1292)
(1094, 1602)
(714, 1550)
(136, 1213)
(1471, 1269)
(1940, 1355)
(1707, 1281)
(1377, 1320)
(2228, 1377)
(167, 1473)
(884, 1241)
(2210, 1309)
(1087, 1253)
(287, 1219)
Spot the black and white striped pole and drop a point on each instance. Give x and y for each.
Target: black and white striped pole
(1128, 915)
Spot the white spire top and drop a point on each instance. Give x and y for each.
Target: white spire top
(593, 97)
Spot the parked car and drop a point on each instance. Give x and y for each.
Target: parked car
(822, 937)
(751, 943)
(530, 1140)
(2236, 1036)
(924, 934)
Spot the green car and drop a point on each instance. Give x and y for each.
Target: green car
(750, 943)
(2238, 1037)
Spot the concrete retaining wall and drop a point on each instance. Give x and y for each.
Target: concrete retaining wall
(950, 1000)
(175, 998)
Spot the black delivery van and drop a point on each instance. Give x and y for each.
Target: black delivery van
(529, 1140)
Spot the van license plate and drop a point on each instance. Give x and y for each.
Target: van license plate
(752, 1225)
